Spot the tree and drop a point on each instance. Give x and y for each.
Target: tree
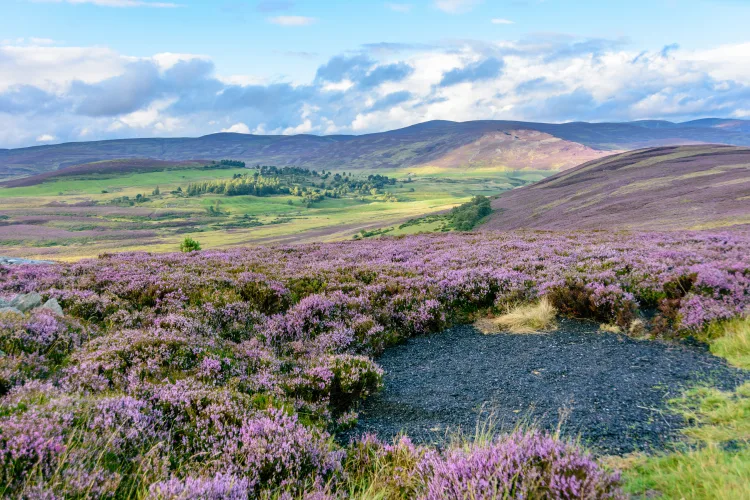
(156, 192)
(189, 245)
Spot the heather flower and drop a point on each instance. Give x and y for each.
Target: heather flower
(219, 487)
(525, 464)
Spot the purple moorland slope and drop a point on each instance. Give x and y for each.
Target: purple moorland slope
(684, 187)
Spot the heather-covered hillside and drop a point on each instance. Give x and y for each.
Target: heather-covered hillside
(688, 187)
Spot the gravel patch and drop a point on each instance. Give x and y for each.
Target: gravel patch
(610, 390)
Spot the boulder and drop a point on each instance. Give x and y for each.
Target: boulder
(10, 310)
(26, 302)
(54, 306)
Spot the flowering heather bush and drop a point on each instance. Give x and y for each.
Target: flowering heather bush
(522, 465)
(223, 374)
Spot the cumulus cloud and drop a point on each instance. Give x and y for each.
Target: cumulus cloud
(237, 128)
(79, 93)
(482, 70)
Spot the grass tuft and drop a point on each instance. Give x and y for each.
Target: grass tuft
(734, 344)
(530, 318)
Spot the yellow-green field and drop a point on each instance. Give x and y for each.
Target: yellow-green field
(71, 218)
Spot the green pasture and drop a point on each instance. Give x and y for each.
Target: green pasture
(63, 204)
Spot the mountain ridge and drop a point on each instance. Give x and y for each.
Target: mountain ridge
(415, 145)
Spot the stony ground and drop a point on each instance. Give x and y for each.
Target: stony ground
(609, 389)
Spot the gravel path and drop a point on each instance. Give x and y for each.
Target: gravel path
(608, 389)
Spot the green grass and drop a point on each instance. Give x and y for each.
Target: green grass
(734, 344)
(171, 218)
(713, 461)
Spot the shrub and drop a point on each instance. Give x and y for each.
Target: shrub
(189, 245)
(525, 464)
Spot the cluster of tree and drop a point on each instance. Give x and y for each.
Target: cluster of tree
(224, 164)
(254, 185)
(127, 201)
(269, 180)
(465, 217)
(270, 170)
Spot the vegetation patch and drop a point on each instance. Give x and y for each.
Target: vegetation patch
(530, 318)
(177, 374)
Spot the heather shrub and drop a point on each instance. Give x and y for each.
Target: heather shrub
(525, 464)
(354, 378)
(170, 369)
(381, 470)
(219, 487)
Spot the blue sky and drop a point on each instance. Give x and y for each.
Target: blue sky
(93, 69)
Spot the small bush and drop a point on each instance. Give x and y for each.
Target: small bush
(189, 245)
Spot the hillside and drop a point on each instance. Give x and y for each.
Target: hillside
(444, 143)
(686, 187)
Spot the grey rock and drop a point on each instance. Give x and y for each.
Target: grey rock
(15, 261)
(26, 302)
(10, 310)
(54, 306)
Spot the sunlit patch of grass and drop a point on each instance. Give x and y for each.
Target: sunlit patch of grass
(734, 343)
(714, 459)
(530, 318)
(710, 472)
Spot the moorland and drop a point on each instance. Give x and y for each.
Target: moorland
(239, 367)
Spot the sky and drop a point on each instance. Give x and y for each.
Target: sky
(79, 70)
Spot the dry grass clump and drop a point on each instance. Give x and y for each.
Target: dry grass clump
(530, 318)
(610, 328)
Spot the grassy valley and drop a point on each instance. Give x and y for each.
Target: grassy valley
(114, 206)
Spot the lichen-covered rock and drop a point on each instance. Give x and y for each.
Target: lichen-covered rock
(10, 310)
(26, 302)
(54, 306)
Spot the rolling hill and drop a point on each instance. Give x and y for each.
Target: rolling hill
(444, 143)
(682, 187)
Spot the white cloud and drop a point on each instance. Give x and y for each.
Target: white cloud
(456, 6)
(499, 20)
(303, 128)
(237, 128)
(557, 79)
(403, 8)
(166, 60)
(151, 116)
(292, 20)
(341, 86)
(53, 68)
(117, 3)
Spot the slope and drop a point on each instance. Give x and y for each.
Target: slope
(687, 187)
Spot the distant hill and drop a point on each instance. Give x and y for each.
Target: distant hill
(118, 167)
(442, 143)
(685, 187)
